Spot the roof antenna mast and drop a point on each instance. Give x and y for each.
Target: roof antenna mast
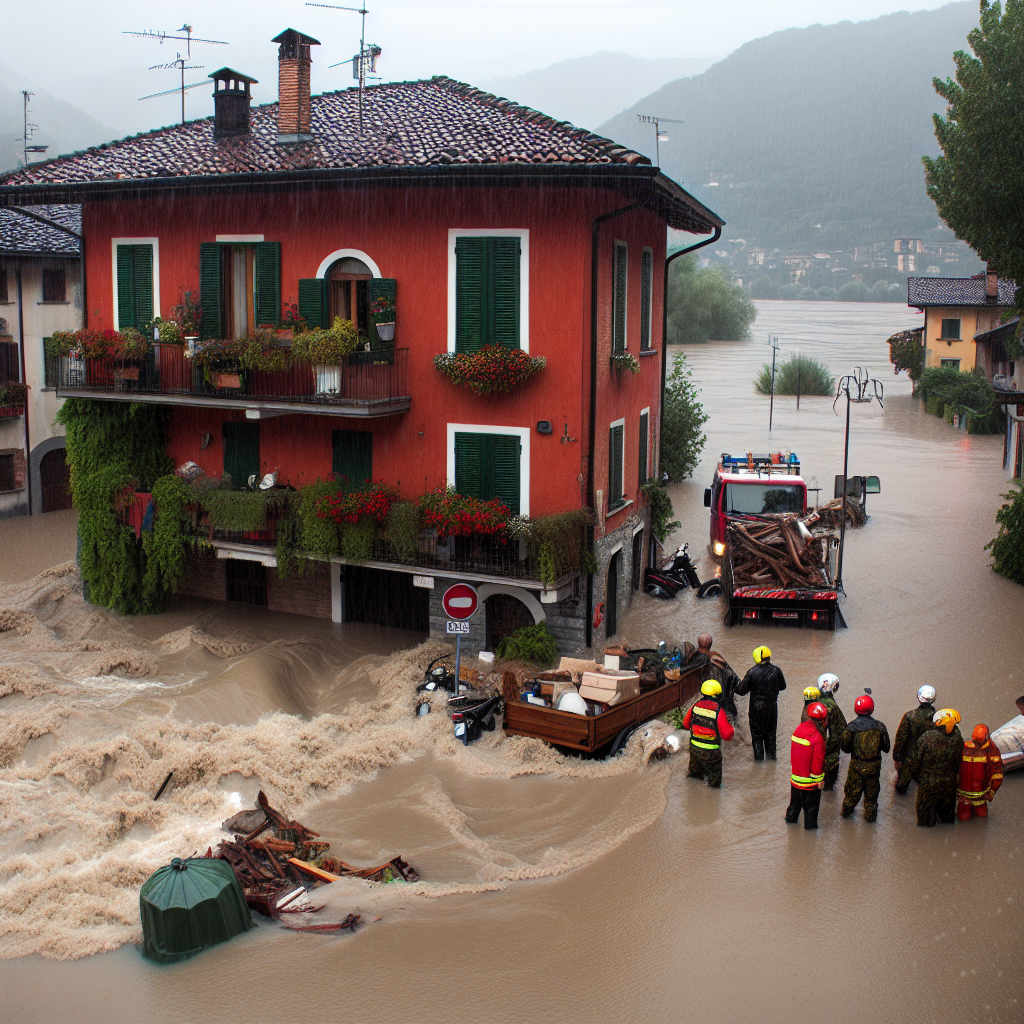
(30, 129)
(659, 135)
(181, 62)
(365, 60)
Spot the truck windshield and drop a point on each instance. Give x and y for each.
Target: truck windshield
(758, 499)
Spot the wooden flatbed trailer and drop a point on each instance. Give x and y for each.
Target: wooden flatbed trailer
(590, 735)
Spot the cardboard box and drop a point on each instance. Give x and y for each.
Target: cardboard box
(609, 687)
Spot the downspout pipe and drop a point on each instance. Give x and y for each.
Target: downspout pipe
(595, 276)
(24, 380)
(664, 327)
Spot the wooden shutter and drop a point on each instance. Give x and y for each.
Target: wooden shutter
(8, 362)
(381, 287)
(267, 301)
(506, 449)
(467, 464)
(241, 452)
(644, 431)
(134, 285)
(620, 267)
(352, 455)
(503, 292)
(470, 293)
(646, 292)
(314, 307)
(211, 323)
(615, 466)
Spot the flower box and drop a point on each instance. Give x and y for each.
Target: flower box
(10, 412)
(227, 380)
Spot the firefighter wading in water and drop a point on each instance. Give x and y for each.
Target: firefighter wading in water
(708, 727)
(912, 725)
(764, 682)
(934, 764)
(981, 774)
(865, 739)
(807, 772)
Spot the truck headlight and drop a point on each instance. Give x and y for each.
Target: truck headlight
(719, 549)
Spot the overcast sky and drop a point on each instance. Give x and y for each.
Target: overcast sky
(77, 51)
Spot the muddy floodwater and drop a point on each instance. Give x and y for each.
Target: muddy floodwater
(551, 889)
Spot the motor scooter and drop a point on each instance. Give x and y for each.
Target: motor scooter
(676, 573)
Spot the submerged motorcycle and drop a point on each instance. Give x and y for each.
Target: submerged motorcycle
(676, 573)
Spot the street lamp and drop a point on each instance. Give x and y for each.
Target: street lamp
(855, 387)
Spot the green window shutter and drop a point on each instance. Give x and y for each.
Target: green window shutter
(134, 285)
(352, 455)
(125, 287)
(644, 431)
(620, 268)
(211, 323)
(506, 449)
(378, 288)
(503, 293)
(241, 452)
(313, 304)
(268, 283)
(615, 466)
(646, 292)
(467, 464)
(470, 293)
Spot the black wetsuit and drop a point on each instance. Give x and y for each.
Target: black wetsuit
(764, 683)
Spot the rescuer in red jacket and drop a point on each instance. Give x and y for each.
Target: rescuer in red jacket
(708, 727)
(981, 774)
(807, 772)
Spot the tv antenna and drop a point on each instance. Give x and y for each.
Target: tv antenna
(365, 60)
(30, 129)
(181, 63)
(659, 135)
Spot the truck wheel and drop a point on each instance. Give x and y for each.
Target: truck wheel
(618, 746)
(710, 588)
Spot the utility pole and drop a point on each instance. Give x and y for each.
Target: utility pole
(366, 55)
(774, 342)
(659, 135)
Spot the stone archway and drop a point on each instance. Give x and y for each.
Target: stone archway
(45, 450)
(507, 609)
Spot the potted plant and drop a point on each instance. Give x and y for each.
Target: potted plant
(65, 346)
(221, 363)
(625, 362)
(382, 312)
(13, 396)
(325, 349)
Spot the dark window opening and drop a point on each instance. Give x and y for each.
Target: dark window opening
(247, 582)
(615, 456)
(620, 276)
(384, 599)
(242, 453)
(352, 456)
(952, 364)
(646, 297)
(8, 361)
(644, 440)
(611, 597)
(54, 285)
(3, 282)
(505, 614)
(55, 479)
(638, 559)
(7, 472)
(951, 329)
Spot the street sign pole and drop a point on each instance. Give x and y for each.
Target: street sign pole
(460, 602)
(458, 660)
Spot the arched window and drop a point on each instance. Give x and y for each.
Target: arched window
(348, 292)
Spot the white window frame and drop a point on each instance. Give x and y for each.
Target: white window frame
(341, 254)
(621, 498)
(523, 234)
(617, 244)
(240, 239)
(649, 346)
(523, 433)
(155, 243)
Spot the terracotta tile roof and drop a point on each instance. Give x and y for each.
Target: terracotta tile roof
(22, 233)
(1001, 334)
(956, 291)
(435, 123)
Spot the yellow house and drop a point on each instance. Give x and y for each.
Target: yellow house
(955, 310)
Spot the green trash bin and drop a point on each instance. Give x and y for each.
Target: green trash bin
(189, 905)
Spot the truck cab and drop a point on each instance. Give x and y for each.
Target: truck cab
(750, 485)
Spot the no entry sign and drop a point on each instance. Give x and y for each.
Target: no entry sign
(460, 601)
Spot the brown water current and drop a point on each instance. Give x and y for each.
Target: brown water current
(552, 888)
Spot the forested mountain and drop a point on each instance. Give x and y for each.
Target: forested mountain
(814, 136)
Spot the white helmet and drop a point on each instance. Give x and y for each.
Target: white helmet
(828, 682)
(572, 701)
(926, 694)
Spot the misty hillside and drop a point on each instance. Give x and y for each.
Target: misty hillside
(62, 126)
(589, 90)
(815, 135)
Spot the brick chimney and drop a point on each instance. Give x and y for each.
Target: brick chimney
(991, 285)
(293, 111)
(231, 98)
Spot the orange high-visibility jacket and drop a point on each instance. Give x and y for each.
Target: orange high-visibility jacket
(981, 773)
(807, 756)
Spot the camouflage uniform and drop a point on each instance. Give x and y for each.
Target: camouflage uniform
(865, 739)
(934, 764)
(705, 765)
(912, 725)
(836, 728)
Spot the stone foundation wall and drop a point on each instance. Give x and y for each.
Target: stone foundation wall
(308, 594)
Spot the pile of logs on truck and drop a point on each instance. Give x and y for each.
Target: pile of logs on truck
(777, 568)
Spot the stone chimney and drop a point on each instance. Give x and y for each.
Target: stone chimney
(231, 99)
(991, 285)
(293, 111)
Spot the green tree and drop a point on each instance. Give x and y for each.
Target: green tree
(765, 288)
(811, 376)
(906, 352)
(976, 181)
(705, 305)
(683, 416)
(1008, 547)
(855, 291)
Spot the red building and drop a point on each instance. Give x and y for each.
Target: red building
(485, 223)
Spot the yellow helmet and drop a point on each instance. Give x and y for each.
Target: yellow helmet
(946, 718)
(711, 688)
(811, 693)
(760, 653)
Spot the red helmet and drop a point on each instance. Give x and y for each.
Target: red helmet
(817, 710)
(863, 705)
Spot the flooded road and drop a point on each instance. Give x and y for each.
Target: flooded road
(554, 889)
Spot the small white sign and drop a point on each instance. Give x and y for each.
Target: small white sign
(426, 582)
(452, 628)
